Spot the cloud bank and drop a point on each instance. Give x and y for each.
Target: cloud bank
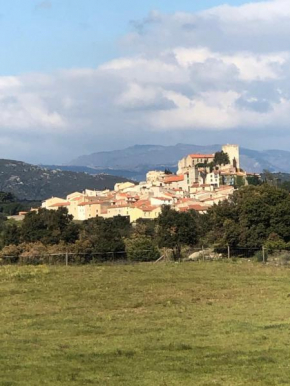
(220, 70)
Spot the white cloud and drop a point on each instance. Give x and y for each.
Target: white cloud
(225, 68)
(249, 65)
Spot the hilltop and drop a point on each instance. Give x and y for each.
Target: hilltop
(33, 182)
(135, 161)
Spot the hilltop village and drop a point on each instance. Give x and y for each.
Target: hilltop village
(201, 181)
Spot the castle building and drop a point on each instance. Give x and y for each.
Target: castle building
(234, 154)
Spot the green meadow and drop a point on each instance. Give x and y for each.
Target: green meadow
(207, 323)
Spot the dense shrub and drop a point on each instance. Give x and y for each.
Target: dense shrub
(141, 249)
(259, 256)
(10, 254)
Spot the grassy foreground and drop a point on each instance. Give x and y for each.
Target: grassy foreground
(214, 323)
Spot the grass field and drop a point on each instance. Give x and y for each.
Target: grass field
(219, 323)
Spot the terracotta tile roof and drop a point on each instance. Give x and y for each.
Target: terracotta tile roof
(197, 208)
(179, 178)
(141, 203)
(85, 203)
(77, 198)
(213, 198)
(195, 156)
(150, 208)
(225, 187)
(185, 200)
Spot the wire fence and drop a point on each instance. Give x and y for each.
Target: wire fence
(266, 255)
(224, 252)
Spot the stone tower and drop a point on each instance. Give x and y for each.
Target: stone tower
(234, 154)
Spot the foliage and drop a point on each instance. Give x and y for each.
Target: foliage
(240, 181)
(6, 197)
(34, 253)
(49, 227)
(11, 234)
(104, 236)
(271, 178)
(275, 242)
(32, 182)
(145, 227)
(250, 216)
(286, 185)
(254, 180)
(141, 248)
(175, 229)
(10, 254)
(260, 257)
(221, 158)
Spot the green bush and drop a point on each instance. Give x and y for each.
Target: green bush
(275, 242)
(141, 249)
(10, 254)
(259, 256)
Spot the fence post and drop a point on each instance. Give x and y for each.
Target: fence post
(229, 252)
(66, 258)
(263, 250)
(203, 258)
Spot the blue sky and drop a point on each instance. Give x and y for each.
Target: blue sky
(46, 35)
(81, 76)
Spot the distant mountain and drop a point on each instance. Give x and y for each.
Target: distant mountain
(114, 172)
(137, 160)
(140, 157)
(30, 182)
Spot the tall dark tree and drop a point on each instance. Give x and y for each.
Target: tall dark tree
(49, 227)
(250, 216)
(104, 235)
(175, 229)
(221, 158)
(11, 234)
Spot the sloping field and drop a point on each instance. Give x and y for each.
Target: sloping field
(220, 323)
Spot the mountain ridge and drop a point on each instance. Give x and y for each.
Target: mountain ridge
(32, 182)
(141, 158)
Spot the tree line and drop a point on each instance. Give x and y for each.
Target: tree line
(252, 217)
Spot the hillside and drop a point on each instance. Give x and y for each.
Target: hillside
(135, 161)
(36, 183)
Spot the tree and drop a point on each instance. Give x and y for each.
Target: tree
(250, 216)
(145, 227)
(102, 236)
(167, 171)
(254, 180)
(6, 197)
(286, 186)
(240, 181)
(141, 248)
(11, 234)
(175, 229)
(49, 227)
(221, 158)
